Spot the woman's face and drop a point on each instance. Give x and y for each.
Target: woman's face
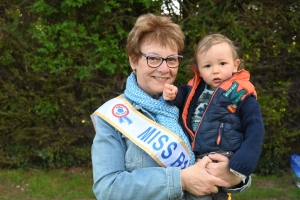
(152, 80)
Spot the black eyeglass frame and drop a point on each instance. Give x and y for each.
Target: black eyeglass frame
(162, 59)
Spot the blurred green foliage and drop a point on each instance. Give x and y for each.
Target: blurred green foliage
(60, 60)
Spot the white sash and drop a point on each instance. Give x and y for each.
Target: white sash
(164, 146)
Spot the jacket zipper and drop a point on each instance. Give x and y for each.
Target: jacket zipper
(194, 138)
(212, 96)
(196, 132)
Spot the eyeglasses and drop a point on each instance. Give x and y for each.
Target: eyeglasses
(154, 61)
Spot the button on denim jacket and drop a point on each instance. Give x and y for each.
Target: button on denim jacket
(122, 170)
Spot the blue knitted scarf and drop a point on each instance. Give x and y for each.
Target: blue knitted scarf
(164, 113)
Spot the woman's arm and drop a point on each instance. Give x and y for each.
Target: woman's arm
(112, 181)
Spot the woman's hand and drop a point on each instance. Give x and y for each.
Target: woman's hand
(196, 180)
(221, 170)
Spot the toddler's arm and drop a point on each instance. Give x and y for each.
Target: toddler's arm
(170, 92)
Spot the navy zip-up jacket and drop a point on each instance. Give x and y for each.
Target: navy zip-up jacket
(232, 120)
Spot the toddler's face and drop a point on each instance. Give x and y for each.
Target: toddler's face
(217, 64)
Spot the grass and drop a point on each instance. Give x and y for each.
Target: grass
(76, 184)
(271, 188)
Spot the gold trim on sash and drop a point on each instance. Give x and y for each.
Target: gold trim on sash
(164, 146)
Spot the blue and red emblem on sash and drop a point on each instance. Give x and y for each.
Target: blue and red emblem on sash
(121, 111)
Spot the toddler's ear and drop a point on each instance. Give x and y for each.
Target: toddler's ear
(237, 63)
(196, 69)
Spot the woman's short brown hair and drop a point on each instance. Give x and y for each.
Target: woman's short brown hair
(152, 28)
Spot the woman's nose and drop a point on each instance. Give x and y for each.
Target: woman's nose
(163, 67)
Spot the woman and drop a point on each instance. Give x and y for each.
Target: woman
(139, 150)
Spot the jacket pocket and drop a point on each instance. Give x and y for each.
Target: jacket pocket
(228, 138)
(220, 133)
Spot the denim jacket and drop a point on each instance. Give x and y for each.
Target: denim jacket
(122, 170)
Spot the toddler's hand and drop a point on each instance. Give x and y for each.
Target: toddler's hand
(170, 92)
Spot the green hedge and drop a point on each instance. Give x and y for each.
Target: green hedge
(60, 60)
